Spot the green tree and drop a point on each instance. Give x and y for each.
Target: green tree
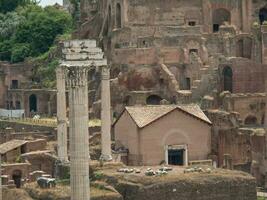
(5, 50)
(11, 5)
(20, 52)
(8, 24)
(41, 28)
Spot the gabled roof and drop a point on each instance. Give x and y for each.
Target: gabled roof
(145, 115)
(11, 145)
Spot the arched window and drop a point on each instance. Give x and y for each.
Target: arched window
(33, 103)
(118, 16)
(263, 15)
(228, 79)
(219, 17)
(251, 120)
(153, 100)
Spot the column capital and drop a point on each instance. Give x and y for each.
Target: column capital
(61, 72)
(105, 72)
(77, 76)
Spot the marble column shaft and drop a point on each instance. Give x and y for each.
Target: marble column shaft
(79, 136)
(105, 115)
(62, 135)
(1, 190)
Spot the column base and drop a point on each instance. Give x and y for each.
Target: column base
(105, 158)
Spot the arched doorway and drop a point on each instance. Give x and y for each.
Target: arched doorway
(16, 176)
(33, 103)
(118, 16)
(153, 100)
(263, 15)
(228, 79)
(220, 16)
(251, 120)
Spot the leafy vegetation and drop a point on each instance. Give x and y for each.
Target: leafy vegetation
(11, 5)
(28, 31)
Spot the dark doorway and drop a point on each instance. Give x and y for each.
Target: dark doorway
(263, 15)
(220, 16)
(228, 79)
(192, 23)
(127, 101)
(118, 15)
(193, 51)
(33, 103)
(153, 100)
(16, 176)
(176, 157)
(251, 121)
(18, 106)
(216, 28)
(14, 84)
(187, 84)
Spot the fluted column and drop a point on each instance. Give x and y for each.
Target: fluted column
(105, 115)
(79, 138)
(62, 136)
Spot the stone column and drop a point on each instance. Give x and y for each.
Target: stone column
(265, 120)
(1, 193)
(79, 136)
(105, 115)
(62, 136)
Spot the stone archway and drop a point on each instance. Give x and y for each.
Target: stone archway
(228, 79)
(33, 103)
(16, 176)
(263, 15)
(219, 17)
(153, 100)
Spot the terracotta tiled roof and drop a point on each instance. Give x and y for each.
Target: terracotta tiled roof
(144, 115)
(11, 145)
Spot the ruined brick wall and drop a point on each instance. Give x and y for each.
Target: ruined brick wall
(9, 169)
(36, 145)
(12, 155)
(247, 105)
(241, 147)
(248, 76)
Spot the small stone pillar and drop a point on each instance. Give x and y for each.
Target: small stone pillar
(79, 137)
(105, 115)
(62, 135)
